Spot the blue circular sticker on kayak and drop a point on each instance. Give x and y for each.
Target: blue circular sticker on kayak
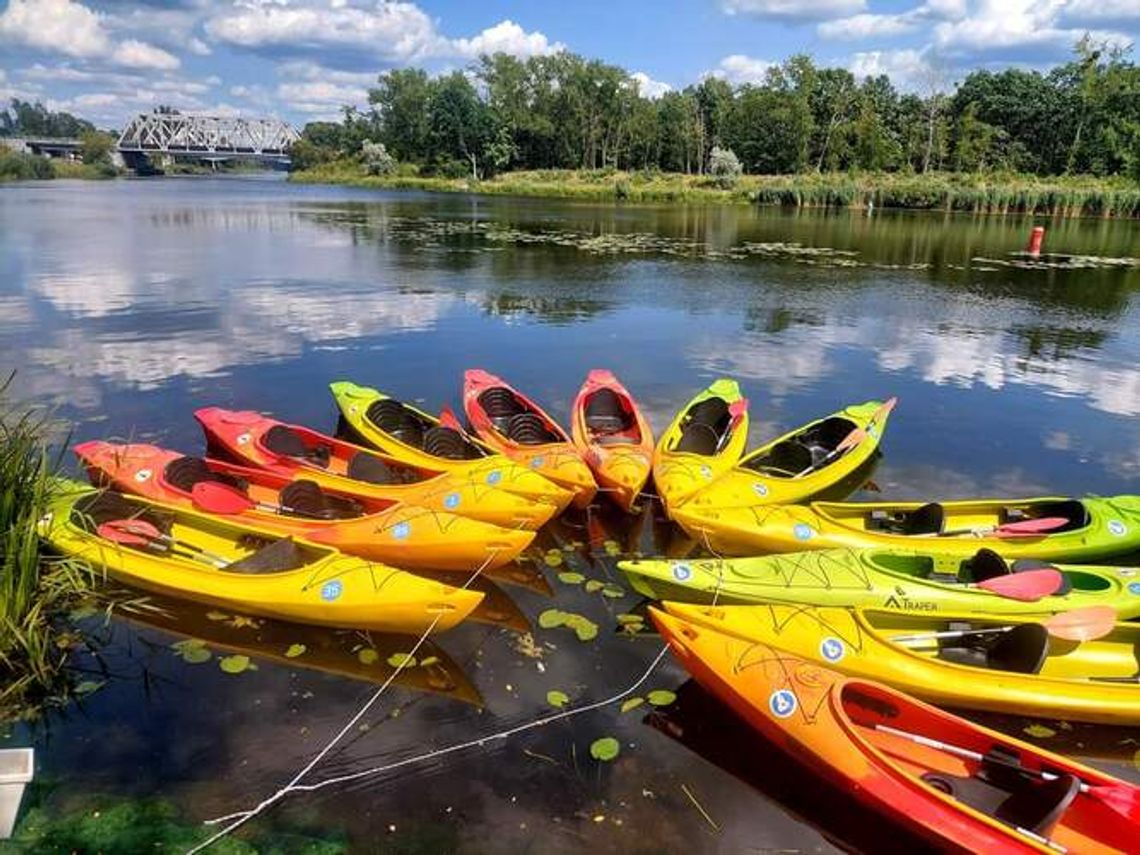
(537, 462)
(681, 572)
(760, 489)
(1117, 528)
(1134, 588)
(803, 531)
(494, 477)
(832, 649)
(331, 590)
(401, 530)
(782, 703)
(451, 501)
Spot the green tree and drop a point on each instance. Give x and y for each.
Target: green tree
(401, 102)
(95, 147)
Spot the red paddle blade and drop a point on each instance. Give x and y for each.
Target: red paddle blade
(851, 440)
(215, 498)
(884, 410)
(448, 420)
(1029, 586)
(738, 408)
(1030, 528)
(129, 532)
(1083, 624)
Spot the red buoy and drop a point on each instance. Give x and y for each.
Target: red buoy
(1035, 239)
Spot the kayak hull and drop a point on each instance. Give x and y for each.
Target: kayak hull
(241, 435)
(1101, 528)
(925, 583)
(403, 535)
(329, 588)
(831, 724)
(621, 459)
(1075, 682)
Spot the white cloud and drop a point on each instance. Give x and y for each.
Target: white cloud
(307, 70)
(198, 47)
(650, 88)
(738, 69)
(505, 37)
(60, 26)
(1103, 10)
(794, 10)
(320, 97)
(905, 67)
(135, 54)
(885, 26)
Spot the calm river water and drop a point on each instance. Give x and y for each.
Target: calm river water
(129, 304)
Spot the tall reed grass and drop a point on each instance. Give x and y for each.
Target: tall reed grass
(34, 588)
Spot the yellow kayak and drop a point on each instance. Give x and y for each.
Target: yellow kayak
(1015, 668)
(704, 441)
(182, 553)
(416, 438)
(1086, 528)
(804, 462)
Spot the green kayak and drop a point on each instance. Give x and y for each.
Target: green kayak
(880, 578)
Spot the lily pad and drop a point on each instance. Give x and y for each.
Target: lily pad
(236, 664)
(295, 650)
(1040, 731)
(594, 585)
(556, 698)
(428, 661)
(217, 616)
(368, 656)
(553, 558)
(631, 703)
(86, 687)
(612, 547)
(571, 578)
(661, 697)
(630, 618)
(605, 749)
(552, 618)
(402, 660)
(613, 591)
(192, 650)
(586, 629)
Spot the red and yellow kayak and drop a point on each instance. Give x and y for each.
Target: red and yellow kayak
(298, 452)
(512, 424)
(613, 437)
(704, 442)
(377, 529)
(962, 786)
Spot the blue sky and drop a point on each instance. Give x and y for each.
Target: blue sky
(302, 59)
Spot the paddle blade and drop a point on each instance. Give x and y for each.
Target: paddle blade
(448, 420)
(1083, 624)
(129, 532)
(738, 408)
(1028, 587)
(1030, 528)
(216, 498)
(851, 440)
(884, 410)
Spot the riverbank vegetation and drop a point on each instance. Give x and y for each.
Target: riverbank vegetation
(1066, 141)
(35, 589)
(25, 119)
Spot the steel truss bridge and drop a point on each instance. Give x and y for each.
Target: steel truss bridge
(208, 138)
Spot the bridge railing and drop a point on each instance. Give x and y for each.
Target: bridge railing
(177, 133)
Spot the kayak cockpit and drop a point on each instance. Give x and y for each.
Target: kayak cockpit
(314, 451)
(939, 519)
(610, 419)
(411, 427)
(516, 419)
(803, 450)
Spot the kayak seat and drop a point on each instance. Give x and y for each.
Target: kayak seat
(91, 512)
(1022, 649)
(385, 413)
(827, 434)
(697, 438)
(959, 653)
(305, 498)
(605, 413)
(409, 431)
(366, 467)
(1071, 509)
(281, 439)
(529, 429)
(1037, 804)
(280, 556)
(791, 456)
(615, 439)
(927, 519)
(986, 564)
(500, 403)
(712, 412)
(183, 473)
(446, 442)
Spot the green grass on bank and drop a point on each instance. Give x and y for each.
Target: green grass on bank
(1070, 196)
(30, 167)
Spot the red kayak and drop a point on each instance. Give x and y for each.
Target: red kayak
(964, 787)
(376, 529)
(613, 437)
(514, 425)
(296, 451)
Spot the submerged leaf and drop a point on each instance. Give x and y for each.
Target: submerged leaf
(428, 661)
(571, 578)
(551, 618)
(594, 585)
(86, 687)
(217, 616)
(295, 650)
(368, 656)
(631, 703)
(192, 650)
(661, 697)
(235, 664)
(402, 660)
(1040, 731)
(556, 698)
(553, 558)
(605, 749)
(613, 591)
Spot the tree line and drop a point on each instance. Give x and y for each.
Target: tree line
(567, 112)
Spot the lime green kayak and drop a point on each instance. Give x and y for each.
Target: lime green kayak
(879, 578)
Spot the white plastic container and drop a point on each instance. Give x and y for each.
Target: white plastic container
(16, 768)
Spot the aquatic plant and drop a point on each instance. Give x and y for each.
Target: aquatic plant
(34, 589)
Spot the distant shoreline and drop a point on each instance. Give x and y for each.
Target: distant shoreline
(1071, 196)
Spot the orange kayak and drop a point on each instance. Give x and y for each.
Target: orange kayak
(512, 424)
(379, 530)
(613, 437)
(298, 452)
(964, 787)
